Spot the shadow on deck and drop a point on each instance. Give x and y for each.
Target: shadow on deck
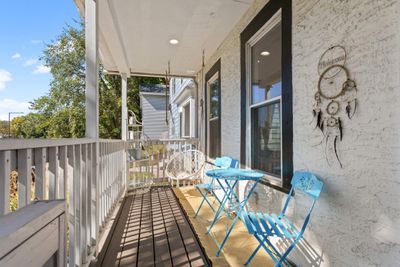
(152, 230)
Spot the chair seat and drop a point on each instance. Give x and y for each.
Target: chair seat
(265, 224)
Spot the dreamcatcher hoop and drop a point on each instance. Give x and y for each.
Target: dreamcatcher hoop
(323, 63)
(322, 77)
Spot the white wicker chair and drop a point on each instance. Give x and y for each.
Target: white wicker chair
(185, 167)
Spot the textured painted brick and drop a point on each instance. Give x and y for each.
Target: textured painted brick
(357, 220)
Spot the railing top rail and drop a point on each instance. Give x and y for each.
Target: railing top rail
(15, 144)
(167, 140)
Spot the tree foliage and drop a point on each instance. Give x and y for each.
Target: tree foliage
(61, 112)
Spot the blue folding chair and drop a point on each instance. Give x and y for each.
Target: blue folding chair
(207, 189)
(263, 226)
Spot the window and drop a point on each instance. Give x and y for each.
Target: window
(213, 109)
(266, 137)
(265, 85)
(187, 119)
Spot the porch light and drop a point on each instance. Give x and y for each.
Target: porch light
(173, 41)
(265, 53)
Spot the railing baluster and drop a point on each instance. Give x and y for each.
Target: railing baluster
(40, 172)
(53, 172)
(24, 177)
(63, 177)
(5, 176)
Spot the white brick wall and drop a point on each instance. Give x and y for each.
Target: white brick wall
(357, 220)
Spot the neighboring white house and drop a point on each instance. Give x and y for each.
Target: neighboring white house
(183, 108)
(154, 113)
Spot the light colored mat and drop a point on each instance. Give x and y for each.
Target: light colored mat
(240, 243)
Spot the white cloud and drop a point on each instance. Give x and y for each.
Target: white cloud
(29, 62)
(36, 41)
(11, 105)
(40, 69)
(16, 56)
(5, 77)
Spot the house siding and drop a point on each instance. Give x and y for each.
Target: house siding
(357, 220)
(153, 118)
(180, 89)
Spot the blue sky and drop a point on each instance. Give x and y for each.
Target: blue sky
(26, 27)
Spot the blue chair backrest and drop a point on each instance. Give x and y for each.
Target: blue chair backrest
(226, 162)
(307, 183)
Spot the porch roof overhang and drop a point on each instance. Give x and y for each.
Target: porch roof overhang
(133, 35)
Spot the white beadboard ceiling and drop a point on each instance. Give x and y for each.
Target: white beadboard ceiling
(134, 34)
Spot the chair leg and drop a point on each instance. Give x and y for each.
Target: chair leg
(202, 202)
(252, 255)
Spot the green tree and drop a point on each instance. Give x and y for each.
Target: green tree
(61, 112)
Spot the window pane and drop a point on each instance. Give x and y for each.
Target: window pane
(266, 139)
(214, 131)
(266, 66)
(214, 98)
(186, 110)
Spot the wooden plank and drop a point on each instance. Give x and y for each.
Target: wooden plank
(24, 177)
(114, 247)
(41, 246)
(161, 245)
(5, 176)
(18, 226)
(129, 252)
(146, 253)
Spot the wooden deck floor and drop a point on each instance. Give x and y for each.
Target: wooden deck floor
(152, 230)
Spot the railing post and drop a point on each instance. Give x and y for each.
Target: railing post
(5, 172)
(71, 205)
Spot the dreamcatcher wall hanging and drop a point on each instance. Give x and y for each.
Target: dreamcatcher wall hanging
(335, 100)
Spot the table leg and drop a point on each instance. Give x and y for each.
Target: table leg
(241, 208)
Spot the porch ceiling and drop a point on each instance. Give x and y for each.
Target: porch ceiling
(134, 34)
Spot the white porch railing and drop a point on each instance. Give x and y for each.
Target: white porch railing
(66, 169)
(148, 159)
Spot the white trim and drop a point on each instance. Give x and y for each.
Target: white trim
(192, 110)
(270, 24)
(208, 82)
(155, 94)
(124, 107)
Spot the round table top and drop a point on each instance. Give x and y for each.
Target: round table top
(235, 174)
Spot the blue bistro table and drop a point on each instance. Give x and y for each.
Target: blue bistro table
(229, 180)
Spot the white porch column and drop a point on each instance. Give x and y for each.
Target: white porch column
(92, 70)
(124, 107)
(92, 119)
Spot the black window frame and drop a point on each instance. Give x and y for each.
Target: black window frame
(265, 14)
(216, 68)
